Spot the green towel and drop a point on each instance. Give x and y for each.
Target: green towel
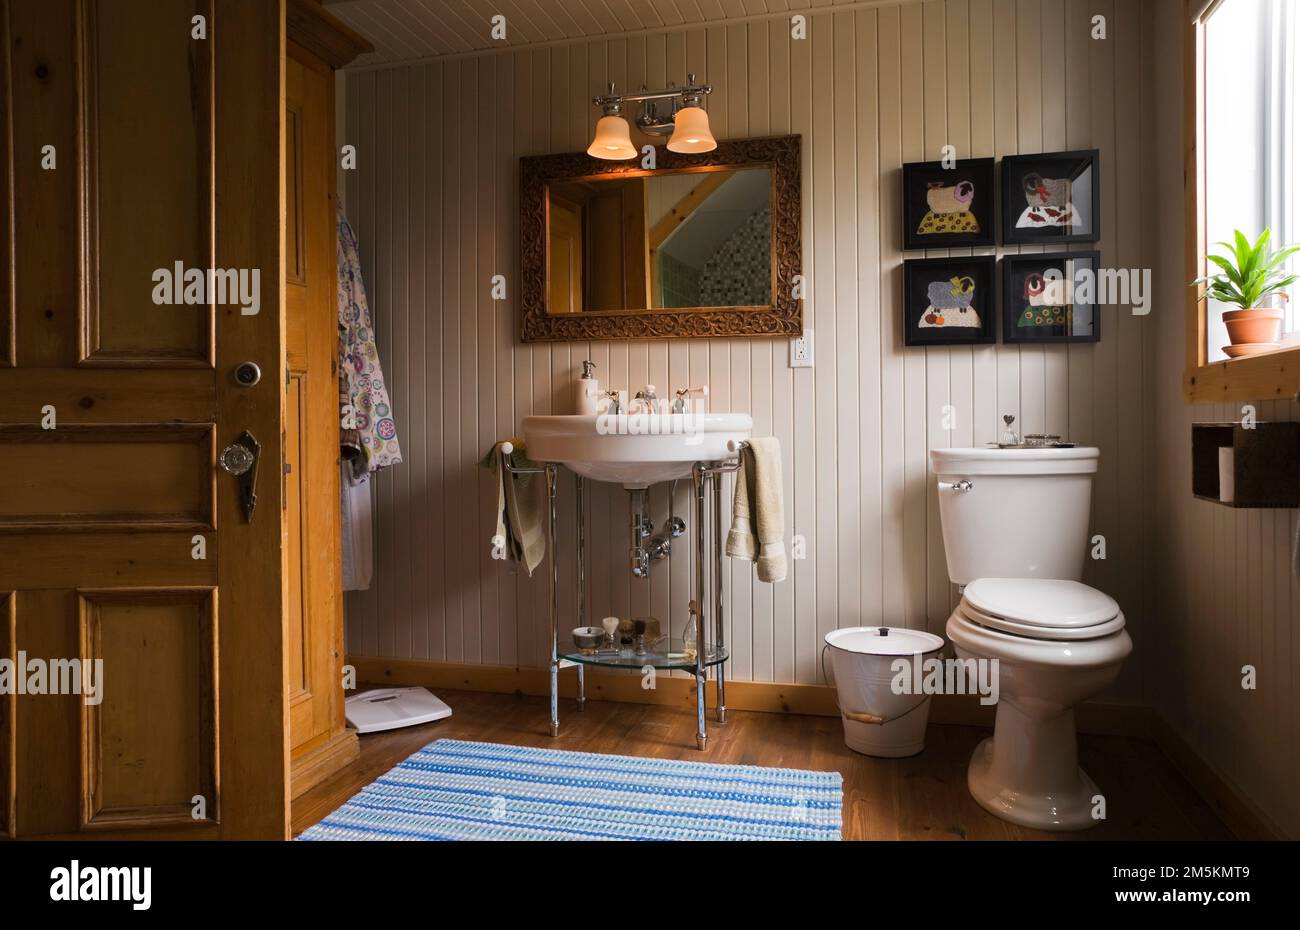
(521, 506)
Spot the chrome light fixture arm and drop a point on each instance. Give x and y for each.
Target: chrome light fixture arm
(690, 95)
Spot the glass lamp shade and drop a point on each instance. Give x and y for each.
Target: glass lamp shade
(692, 135)
(613, 139)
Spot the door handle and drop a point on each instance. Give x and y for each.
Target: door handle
(240, 459)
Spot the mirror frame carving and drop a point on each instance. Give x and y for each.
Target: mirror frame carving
(783, 317)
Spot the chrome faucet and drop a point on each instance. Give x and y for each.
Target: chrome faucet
(646, 401)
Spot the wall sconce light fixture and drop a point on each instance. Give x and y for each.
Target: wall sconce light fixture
(685, 122)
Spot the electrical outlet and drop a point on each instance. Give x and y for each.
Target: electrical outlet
(801, 350)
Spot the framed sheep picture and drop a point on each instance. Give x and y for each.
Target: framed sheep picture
(949, 301)
(1051, 198)
(1050, 297)
(948, 207)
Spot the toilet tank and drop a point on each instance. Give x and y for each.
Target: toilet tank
(1014, 513)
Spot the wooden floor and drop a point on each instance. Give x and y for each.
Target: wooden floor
(920, 798)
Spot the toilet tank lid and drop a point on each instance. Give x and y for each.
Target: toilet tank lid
(1042, 602)
(1080, 460)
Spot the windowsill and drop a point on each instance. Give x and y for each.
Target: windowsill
(1283, 347)
(1267, 376)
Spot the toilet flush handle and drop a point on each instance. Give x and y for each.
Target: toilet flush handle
(962, 485)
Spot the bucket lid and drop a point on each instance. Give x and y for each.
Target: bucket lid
(883, 640)
(1042, 602)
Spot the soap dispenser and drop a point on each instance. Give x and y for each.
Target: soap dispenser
(586, 391)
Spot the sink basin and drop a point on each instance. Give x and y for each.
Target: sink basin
(635, 450)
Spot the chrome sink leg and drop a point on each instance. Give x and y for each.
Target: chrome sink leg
(719, 635)
(701, 628)
(555, 601)
(580, 486)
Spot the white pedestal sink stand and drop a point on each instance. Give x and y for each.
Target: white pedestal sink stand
(706, 482)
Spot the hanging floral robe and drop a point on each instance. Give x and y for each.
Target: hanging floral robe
(369, 433)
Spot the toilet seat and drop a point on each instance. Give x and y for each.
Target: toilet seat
(1041, 608)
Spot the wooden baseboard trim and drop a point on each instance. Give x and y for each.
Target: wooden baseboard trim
(1242, 816)
(314, 766)
(765, 697)
(1132, 720)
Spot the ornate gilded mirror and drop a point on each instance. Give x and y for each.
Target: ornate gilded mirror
(703, 245)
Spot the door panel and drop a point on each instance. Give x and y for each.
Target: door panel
(41, 48)
(164, 724)
(120, 538)
(296, 631)
(565, 253)
(90, 477)
(7, 192)
(130, 54)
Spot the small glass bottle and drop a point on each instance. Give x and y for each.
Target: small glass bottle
(1009, 437)
(689, 636)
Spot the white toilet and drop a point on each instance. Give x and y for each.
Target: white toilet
(1015, 532)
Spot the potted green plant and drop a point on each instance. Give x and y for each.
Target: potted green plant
(1247, 275)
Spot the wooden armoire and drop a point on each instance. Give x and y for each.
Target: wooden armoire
(320, 742)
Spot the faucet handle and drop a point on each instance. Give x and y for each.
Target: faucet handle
(679, 405)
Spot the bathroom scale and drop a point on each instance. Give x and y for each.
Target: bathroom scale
(392, 708)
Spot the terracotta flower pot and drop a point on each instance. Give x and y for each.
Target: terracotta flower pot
(1260, 326)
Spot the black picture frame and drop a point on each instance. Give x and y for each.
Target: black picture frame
(932, 200)
(1036, 216)
(1079, 323)
(920, 274)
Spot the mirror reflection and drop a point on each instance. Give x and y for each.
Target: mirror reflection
(666, 241)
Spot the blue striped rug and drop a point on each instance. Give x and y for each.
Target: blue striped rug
(458, 790)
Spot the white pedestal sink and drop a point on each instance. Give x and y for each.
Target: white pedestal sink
(635, 450)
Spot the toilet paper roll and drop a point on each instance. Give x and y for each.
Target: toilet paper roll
(1225, 474)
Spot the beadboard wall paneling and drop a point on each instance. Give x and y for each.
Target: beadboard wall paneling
(434, 201)
(1223, 596)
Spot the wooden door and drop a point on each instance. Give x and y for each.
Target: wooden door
(314, 652)
(122, 542)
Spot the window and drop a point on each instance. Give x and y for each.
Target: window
(1243, 92)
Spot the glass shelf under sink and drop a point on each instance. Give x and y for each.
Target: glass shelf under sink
(668, 654)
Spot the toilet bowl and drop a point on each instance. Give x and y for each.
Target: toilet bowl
(1057, 643)
(1015, 534)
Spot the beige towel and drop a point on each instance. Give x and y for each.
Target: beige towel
(757, 513)
(521, 507)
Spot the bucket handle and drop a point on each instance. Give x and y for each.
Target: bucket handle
(865, 718)
(875, 719)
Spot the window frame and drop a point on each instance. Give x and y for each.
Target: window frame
(1269, 375)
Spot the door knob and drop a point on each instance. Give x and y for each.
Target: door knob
(240, 459)
(236, 459)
